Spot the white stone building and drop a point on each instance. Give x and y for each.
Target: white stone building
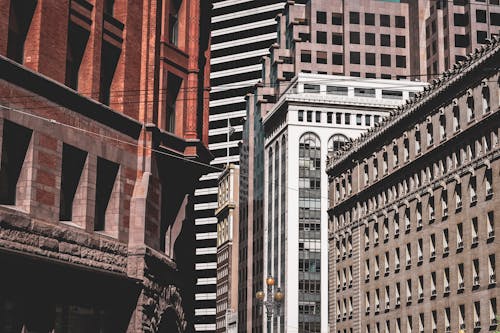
(313, 117)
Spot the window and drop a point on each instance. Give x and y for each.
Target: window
(401, 41)
(456, 118)
(321, 17)
(385, 40)
(408, 293)
(444, 203)
(375, 168)
(309, 116)
(301, 115)
(493, 312)
(430, 137)
(418, 146)
(369, 38)
(353, 17)
(470, 109)
(485, 100)
(338, 118)
(432, 247)
(400, 22)
(347, 119)
(406, 151)
(320, 37)
(15, 145)
(480, 16)
(461, 40)
(481, 37)
(401, 61)
(329, 117)
(359, 119)
(337, 58)
(173, 87)
(173, 24)
(354, 37)
(77, 40)
(318, 116)
(495, 18)
(337, 39)
(354, 57)
(107, 172)
(473, 190)
(336, 18)
(364, 92)
(321, 57)
(21, 13)
(491, 269)
(385, 60)
(474, 231)
(442, 126)
(395, 152)
(385, 20)
(109, 7)
(408, 255)
(73, 161)
(460, 237)
(109, 59)
(458, 196)
(431, 209)
(488, 183)
(305, 56)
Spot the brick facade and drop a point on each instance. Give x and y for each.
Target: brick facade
(103, 106)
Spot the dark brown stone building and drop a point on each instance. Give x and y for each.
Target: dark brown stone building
(412, 211)
(103, 134)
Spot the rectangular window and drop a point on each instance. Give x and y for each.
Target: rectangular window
(369, 38)
(370, 59)
(305, 56)
(353, 17)
(337, 58)
(301, 115)
(354, 57)
(335, 90)
(354, 37)
(401, 41)
(318, 116)
(337, 19)
(73, 161)
(321, 17)
(369, 19)
(461, 40)
(401, 61)
(173, 86)
(385, 20)
(309, 116)
(364, 92)
(359, 119)
(385, 60)
(107, 172)
(321, 57)
(337, 39)
(347, 119)
(400, 22)
(385, 40)
(329, 117)
(480, 16)
(15, 144)
(320, 37)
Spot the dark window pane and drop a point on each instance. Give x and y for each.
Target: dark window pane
(320, 37)
(321, 17)
(369, 38)
(354, 37)
(385, 40)
(337, 19)
(385, 60)
(400, 22)
(370, 59)
(401, 61)
(385, 20)
(337, 39)
(401, 41)
(337, 58)
(369, 19)
(354, 17)
(354, 58)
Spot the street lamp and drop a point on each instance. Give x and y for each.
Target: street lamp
(271, 300)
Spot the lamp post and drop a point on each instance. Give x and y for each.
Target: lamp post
(272, 300)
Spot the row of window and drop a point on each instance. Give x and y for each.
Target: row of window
(438, 318)
(354, 38)
(385, 60)
(391, 230)
(338, 118)
(425, 136)
(369, 19)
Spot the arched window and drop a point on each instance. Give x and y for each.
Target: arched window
(336, 142)
(309, 226)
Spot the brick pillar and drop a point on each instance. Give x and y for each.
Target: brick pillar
(4, 25)
(46, 42)
(46, 173)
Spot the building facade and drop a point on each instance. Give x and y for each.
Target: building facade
(227, 214)
(454, 29)
(102, 104)
(241, 32)
(412, 208)
(316, 116)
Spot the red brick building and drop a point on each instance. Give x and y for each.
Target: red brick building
(103, 134)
